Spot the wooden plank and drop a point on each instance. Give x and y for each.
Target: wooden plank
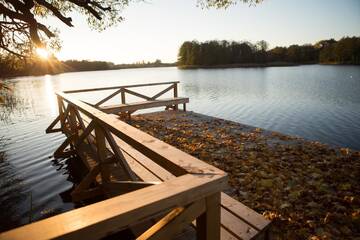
(172, 159)
(115, 188)
(116, 87)
(243, 212)
(140, 170)
(97, 220)
(143, 105)
(237, 227)
(225, 235)
(174, 222)
(208, 224)
(147, 163)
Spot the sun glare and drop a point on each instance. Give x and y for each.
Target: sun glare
(43, 53)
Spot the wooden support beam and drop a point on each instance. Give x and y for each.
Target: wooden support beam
(119, 156)
(60, 151)
(174, 222)
(175, 90)
(83, 186)
(50, 128)
(208, 224)
(101, 152)
(143, 105)
(137, 94)
(117, 87)
(162, 92)
(108, 97)
(73, 123)
(85, 134)
(172, 159)
(123, 100)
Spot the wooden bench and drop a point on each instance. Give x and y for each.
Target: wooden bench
(132, 107)
(127, 108)
(237, 220)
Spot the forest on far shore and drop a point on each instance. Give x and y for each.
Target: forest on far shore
(12, 66)
(222, 53)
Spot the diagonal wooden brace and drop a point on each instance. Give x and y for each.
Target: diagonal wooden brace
(83, 190)
(119, 155)
(174, 222)
(60, 151)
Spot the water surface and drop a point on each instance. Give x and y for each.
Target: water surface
(316, 102)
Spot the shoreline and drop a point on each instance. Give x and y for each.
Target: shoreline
(305, 187)
(242, 65)
(259, 65)
(89, 70)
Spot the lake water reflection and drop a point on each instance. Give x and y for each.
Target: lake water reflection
(316, 102)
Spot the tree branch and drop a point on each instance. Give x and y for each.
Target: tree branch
(56, 12)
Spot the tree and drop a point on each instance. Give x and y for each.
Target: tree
(22, 25)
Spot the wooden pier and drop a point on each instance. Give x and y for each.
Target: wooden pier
(152, 188)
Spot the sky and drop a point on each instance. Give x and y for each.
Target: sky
(155, 29)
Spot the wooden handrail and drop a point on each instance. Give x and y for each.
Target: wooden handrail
(117, 87)
(98, 220)
(194, 187)
(167, 156)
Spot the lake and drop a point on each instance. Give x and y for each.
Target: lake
(316, 102)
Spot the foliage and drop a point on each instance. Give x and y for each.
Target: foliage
(212, 53)
(309, 190)
(11, 66)
(22, 22)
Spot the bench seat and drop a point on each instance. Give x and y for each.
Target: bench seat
(129, 107)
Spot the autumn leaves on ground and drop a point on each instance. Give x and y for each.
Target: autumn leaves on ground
(309, 190)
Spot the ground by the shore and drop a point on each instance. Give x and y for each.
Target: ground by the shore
(310, 190)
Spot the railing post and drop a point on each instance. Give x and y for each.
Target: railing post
(175, 90)
(123, 96)
(208, 224)
(101, 152)
(73, 123)
(61, 112)
(175, 95)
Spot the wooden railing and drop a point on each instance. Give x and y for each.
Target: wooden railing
(122, 90)
(97, 137)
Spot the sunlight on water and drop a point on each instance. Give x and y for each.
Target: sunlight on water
(50, 95)
(315, 102)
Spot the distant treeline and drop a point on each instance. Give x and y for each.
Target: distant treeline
(222, 53)
(11, 66)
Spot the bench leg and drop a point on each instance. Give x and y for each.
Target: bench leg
(208, 224)
(184, 107)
